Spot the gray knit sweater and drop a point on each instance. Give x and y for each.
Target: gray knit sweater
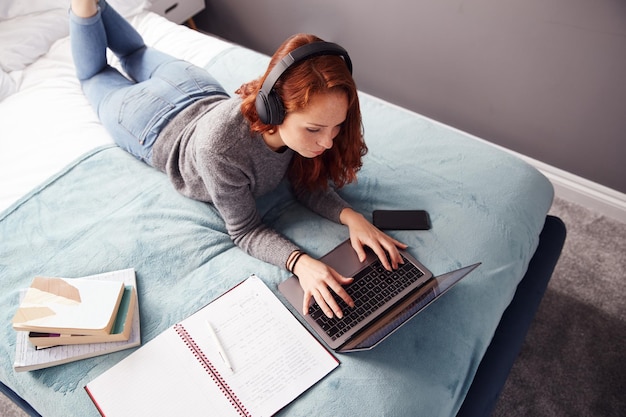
(209, 154)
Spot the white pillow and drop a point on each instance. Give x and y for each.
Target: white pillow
(129, 8)
(7, 85)
(13, 8)
(23, 39)
(36, 24)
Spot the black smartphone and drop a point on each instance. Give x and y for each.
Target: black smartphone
(401, 219)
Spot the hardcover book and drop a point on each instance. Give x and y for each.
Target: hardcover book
(119, 332)
(69, 306)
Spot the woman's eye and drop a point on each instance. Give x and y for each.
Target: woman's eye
(312, 130)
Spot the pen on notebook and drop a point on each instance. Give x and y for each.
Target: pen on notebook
(220, 348)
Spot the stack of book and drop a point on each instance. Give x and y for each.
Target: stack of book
(61, 320)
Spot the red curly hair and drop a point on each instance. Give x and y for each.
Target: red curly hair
(296, 87)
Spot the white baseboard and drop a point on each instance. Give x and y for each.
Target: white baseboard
(583, 192)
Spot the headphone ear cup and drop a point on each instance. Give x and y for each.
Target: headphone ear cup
(262, 107)
(270, 108)
(276, 113)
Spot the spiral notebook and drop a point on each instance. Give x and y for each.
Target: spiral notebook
(244, 354)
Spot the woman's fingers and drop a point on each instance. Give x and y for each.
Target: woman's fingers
(328, 304)
(324, 297)
(385, 249)
(337, 287)
(306, 302)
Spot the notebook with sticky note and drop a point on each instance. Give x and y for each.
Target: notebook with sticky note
(69, 306)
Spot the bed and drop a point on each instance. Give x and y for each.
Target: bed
(73, 204)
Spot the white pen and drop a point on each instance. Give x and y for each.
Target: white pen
(220, 348)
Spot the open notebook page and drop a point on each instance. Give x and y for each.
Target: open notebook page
(274, 359)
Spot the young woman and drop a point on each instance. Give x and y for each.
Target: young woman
(221, 150)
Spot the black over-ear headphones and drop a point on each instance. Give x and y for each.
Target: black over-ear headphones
(269, 105)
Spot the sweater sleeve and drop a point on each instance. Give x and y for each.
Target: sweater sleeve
(230, 193)
(326, 203)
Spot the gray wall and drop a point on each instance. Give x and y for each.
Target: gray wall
(543, 78)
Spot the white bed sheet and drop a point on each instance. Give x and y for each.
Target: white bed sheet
(47, 123)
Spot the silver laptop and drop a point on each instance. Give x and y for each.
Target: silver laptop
(383, 300)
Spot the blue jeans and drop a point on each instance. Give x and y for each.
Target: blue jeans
(136, 106)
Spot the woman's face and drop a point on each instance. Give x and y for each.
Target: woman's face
(311, 131)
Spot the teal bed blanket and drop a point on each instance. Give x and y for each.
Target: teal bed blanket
(108, 211)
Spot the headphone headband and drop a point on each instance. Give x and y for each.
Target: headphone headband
(268, 104)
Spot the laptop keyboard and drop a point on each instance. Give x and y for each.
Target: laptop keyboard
(372, 288)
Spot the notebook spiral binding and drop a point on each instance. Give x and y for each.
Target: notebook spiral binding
(210, 369)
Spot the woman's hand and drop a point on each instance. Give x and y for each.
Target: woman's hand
(319, 281)
(363, 233)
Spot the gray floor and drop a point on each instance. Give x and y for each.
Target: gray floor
(573, 361)
(8, 409)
